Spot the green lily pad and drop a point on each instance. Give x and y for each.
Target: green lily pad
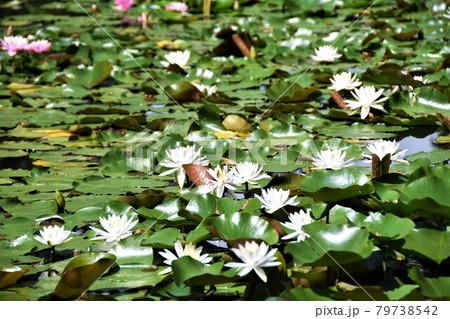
(128, 278)
(388, 226)
(81, 273)
(334, 186)
(428, 243)
(331, 244)
(202, 205)
(240, 227)
(130, 252)
(164, 238)
(362, 131)
(431, 287)
(307, 294)
(91, 78)
(289, 92)
(10, 274)
(191, 272)
(426, 192)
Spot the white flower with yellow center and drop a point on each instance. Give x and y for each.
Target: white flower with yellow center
(206, 89)
(254, 257)
(247, 172)
(344, 81)
(115, 227)
(330, 159)
(296, 223)
(273, 199)
(381, 148)
(178, 57)
(222, 180)
(53, 235)
(177, 157)
(366, 97)
(325, 53)
(189, 250)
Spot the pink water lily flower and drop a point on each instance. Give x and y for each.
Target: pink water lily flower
(123, 5)
(38, 46)
(13, 44)
(177, 6)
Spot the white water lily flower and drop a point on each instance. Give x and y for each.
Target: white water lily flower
(439, 7)
(189, 250)
(53, 235)
(247, 172)
(331, 159)
(222, 180)
(303, 31)
(206, 89)
(331, 37)
(177, 157)
(447, 15)
(116, 227)
(344, 81)
(420, 79)
(206, 74)
(297, 221)
(366, 97)
(254, 257)
(293, 43)
(382, 148)
(178, 57)
(273, 199)
(325, 53)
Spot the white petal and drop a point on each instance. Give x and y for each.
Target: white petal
(261, 274)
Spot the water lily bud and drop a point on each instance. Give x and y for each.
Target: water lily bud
(253, 54)
(236, 123)
(380, 167)
(9, 31)
(94, 9)
(60, 200)
(145, 18)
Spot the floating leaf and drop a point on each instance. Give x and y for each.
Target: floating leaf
(333, 186)
(388, 226)
(426, 192)
(9, 275)
(429, 243)
(236, 123)
(191, 272)
(431, 287)
(289, 92)
(81, 273)
(239, 227)
(331, 244)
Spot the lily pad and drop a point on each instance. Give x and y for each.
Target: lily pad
(191, 272)
(9, 275)
(331, 244)
(239, 227)
(334, 186)
(81, 273)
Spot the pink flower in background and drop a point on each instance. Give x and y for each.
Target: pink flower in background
(13, 44)
(38, 46)
(123, 5)
(176, 6)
